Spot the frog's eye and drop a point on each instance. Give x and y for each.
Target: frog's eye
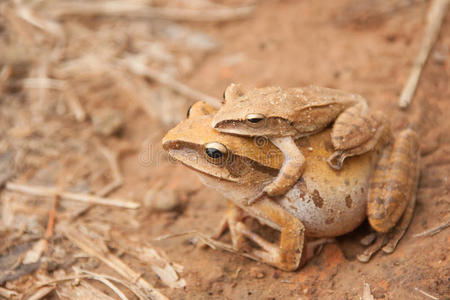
(216, 153)
(255, 120)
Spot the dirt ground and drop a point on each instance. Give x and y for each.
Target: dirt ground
(339, 44)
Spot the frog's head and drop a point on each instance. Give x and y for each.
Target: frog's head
(254, 112)
(233, 158)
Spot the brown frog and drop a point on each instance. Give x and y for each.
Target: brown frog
(283, 115)
(379, 184)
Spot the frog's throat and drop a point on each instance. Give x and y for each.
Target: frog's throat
(208, 174)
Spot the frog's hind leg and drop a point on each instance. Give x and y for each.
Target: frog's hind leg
(356, 131)
(288, 253)
(391, 199)
(388, 241)
(291, 170)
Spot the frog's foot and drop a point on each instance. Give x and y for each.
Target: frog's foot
(392, 192)
(355, 132)
(388, 242)
(270, 253)
(313, 248)
(399, 230)
(367, 254)
(336, 160)
(368, 239)
(287, 256)
(233, 215)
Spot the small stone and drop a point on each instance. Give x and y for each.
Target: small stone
(51, 265)
(257, 273)
(439, 57)
(162, 200)
(108, 122)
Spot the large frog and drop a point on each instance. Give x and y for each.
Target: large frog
(379, 184)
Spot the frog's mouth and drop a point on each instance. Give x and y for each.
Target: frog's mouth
(270, 127)
(193, 159)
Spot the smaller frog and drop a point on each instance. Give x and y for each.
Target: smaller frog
(324, 203)
(284, 115)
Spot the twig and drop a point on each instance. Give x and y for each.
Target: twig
(435, 18)
(41, 293)
(132, 288)
(110, 260)
(35, 253)
(105, 282)
(141, 10)
(61, 85)
(43, 83)
(86, 198)
(51, 218)
(367, 294)
(74, 104)
(426, 294)
(137, 66)
(167, 271)
(78, 277)
(8, 294)
(46, 25)
(112, 159)
(434, 230)
(5, 73)
(91, 291)
(174, 235)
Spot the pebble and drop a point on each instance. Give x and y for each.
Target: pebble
(257, 273)
(162, 200)
(108, 122)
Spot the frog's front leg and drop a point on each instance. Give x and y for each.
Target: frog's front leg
(291, 170)
(233, 215)
(392, 192)
(356, 131)
(288, 255)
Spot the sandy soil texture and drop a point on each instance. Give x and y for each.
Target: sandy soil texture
(86, 94)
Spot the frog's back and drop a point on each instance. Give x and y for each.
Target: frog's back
(287, 103)
(314, 108)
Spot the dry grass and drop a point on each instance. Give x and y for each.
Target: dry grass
(63, 64)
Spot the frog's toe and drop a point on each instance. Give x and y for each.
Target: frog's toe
(368, 239)
(389, 248)
(336, 160)
(364, 257)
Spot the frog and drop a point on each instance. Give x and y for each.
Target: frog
(379, 185)
(283, 115)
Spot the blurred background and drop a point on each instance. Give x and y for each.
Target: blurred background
(89, 88)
